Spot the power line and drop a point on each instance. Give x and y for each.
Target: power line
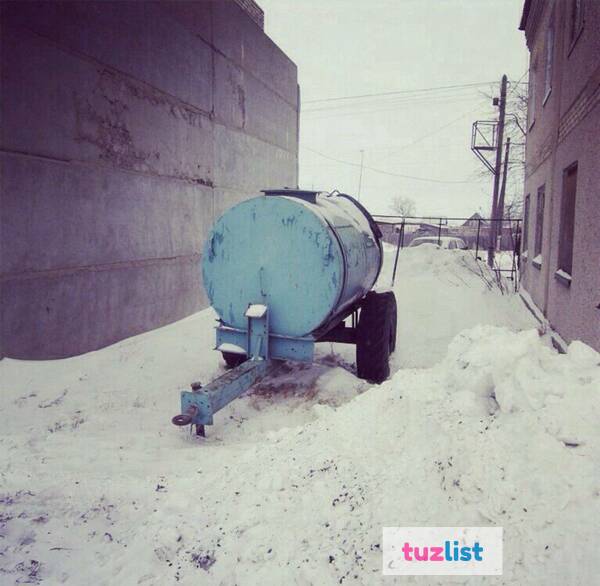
(393, 93)
(366, 108)
(375, 170)
(515, 85)
(424, 136)
(399, 99)
(420, 138)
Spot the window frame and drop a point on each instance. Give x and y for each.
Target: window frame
(549, 47)
(539, 223)
(531, 97)
(525, 235)
(562, 268)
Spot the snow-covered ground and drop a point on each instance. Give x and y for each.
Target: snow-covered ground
(482, 423)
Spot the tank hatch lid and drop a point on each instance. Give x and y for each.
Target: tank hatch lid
(305, 194)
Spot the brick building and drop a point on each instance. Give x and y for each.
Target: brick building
(126, 129)
(561, 236)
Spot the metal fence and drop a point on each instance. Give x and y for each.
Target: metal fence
(480, 235)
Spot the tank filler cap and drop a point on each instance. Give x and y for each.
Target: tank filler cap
(305, 194)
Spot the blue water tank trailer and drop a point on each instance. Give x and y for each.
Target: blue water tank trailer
(284, 271)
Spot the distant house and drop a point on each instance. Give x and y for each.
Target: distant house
(391, 232)
(474, 221)
(561, 216)
(429, 229)
(474, 231)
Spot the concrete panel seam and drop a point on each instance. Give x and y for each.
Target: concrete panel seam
(211, 45)
(50, 158)
(107, 167)
(90, 59)
(104, 166)
(245, 133)
(66, 271)
(258, 79)
(152, 89)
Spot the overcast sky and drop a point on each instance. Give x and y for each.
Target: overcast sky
(350, 47)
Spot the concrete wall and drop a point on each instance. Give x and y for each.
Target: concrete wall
(566, 130)
(127, 127)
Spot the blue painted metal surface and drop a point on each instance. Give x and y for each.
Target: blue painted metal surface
(280, 270)
(280, 347)
(202, 403)
(308, 262)
(257, 344)
(206, 401)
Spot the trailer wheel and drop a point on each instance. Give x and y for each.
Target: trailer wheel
(233, 360)
(394, 322)
(376, 336)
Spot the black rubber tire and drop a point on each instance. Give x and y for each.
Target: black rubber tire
(232, 360)
(376, 336)
(394, 322)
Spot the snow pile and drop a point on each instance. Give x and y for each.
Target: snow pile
(429, 447)
(517, 372)
(296, 480)
(440, 293)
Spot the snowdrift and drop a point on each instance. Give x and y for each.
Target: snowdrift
(296, 480)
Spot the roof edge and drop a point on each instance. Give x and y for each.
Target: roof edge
(525, 15)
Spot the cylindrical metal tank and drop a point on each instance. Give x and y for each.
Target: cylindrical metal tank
(307, 256)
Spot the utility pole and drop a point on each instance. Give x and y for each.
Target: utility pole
(503, 188)
(497, 168)
(362, 157)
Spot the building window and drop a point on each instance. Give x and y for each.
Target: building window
(531, 97)
(549, 59)
(525, 223)
(539, 222)
(575, 21)
(567, 220)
